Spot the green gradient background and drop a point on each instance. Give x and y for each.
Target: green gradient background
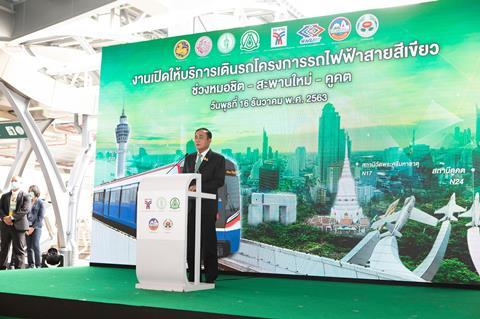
(379, 109)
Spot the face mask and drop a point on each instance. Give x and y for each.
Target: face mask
(15, 185)
(32, 194)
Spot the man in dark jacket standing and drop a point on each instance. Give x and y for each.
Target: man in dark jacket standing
(211, 166)
(14, 207)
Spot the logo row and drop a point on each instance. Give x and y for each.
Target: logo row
(153, 224)
(204, 45)
(161, 203)
(339, 29)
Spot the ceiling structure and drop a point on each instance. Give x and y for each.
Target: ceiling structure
(50, 50)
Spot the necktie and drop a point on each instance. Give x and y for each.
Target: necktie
(198, 162)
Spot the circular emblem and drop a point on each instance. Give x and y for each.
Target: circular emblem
(167, 224)
(203, 46)
(153, 224)
(250, 41)
(182, 49)
(226, 43)
(339, 29)
(174, 203)
(161, 203)
(367, 25)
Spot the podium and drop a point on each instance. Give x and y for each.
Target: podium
(162, 217)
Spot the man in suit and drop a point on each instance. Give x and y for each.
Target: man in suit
(211, 166)
(14, 207)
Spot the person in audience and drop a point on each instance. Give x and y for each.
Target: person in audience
(14, 207)
(34, 232)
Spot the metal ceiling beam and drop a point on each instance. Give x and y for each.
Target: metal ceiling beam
(6, 7)
(55, 184)
(6, 20)
(28, 21)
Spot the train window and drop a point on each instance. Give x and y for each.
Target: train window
(135, 189)
(106, 202)
(114, 208)
(129, 194)
(126, 195)
(128, 203)
(115, 197)
(98, 202)
(134, 199)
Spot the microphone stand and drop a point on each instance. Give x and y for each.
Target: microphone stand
(181, 159)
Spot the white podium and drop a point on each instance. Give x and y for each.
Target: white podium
(162, 217)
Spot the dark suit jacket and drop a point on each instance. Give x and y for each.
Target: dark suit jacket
(212, 170)
(24, 203)
(36, 214)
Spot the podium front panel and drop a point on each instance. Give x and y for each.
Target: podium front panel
(162, 229)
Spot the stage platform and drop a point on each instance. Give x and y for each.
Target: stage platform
(99, 292)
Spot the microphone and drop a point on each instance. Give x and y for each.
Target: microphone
(181, 159)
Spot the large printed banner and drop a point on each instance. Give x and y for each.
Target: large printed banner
(352, 141)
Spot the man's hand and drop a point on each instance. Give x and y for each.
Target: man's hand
(193, 188)
(8, 220)
(30, 231)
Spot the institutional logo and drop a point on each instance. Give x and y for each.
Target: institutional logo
(161, 203)
(339, 29)
(167, 224)
(175, 203)
(226, 43)
(278, 37)
(203, 46)
(250, 41)
(153, 224)
(182, 49)
(310, 33)
(367, 25)
(148, 203)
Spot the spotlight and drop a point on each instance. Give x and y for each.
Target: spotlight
(52, 259)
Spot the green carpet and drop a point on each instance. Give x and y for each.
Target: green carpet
(250, 296)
